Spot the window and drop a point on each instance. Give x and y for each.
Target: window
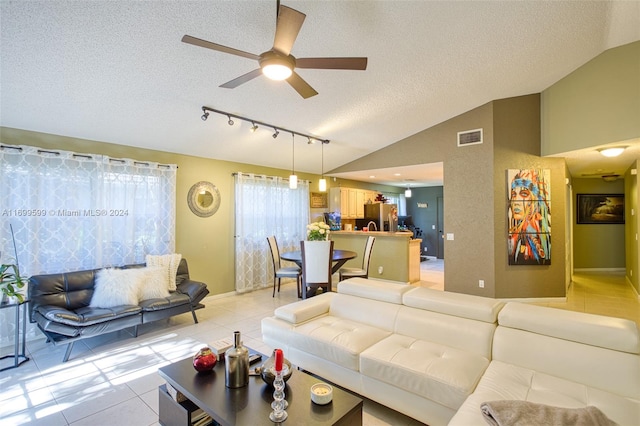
(75, 211)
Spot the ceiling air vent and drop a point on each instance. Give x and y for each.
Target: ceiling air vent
(470, 137)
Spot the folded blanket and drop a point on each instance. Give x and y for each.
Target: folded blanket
(521, 413)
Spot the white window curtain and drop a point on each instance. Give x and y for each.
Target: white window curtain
(74, 211)
(266, 206)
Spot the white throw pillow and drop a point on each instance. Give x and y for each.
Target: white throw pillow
(168, 261)
(115, 287)
(154, 283)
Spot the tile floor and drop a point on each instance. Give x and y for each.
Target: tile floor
(112, 380)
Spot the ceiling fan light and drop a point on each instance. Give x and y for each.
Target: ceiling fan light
(277, 72)
(612, 152)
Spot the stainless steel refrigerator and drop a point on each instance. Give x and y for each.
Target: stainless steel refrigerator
(382, 215)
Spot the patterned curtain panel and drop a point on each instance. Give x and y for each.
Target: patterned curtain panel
(266, 206)
(75, 211)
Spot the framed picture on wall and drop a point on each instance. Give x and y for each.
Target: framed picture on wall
(318, 200)
(600, 209)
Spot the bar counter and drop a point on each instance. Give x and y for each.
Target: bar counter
(395, 252)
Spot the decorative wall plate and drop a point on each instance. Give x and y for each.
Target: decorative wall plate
(203, 199)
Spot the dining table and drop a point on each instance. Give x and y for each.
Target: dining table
(340, 257)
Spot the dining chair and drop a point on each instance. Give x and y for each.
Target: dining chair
(283, 272)
(360, 272)
(316, 266)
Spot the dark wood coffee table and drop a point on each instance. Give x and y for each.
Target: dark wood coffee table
(251, 404)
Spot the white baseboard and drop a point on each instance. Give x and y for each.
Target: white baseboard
(219, 296)
(612, 270)
(535, 299)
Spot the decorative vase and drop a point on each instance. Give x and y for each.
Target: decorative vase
(268, 369)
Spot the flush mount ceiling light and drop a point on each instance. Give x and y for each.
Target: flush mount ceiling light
(613, 151)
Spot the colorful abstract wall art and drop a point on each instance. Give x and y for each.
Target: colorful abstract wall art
(529, 216)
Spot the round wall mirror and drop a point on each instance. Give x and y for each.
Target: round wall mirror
(203, 199)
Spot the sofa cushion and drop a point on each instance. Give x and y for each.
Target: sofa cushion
(336, 339)
(436, 372)
(87, 315)
(596, 330)
(115, 287)
(174, 299)
(153, 283)
(504, 381)
(456, 304)
(383, 291)
(456, 332)
(170, 263)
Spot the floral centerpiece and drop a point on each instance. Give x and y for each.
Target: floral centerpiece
(318, 231)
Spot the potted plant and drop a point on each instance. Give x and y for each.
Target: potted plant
(318, 231)
(11, 282)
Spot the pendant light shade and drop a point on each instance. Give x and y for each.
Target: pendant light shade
(322, 184)
(407, 193)
(293, 179)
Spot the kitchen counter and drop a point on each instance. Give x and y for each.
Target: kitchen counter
(403, 234)
(395, 255)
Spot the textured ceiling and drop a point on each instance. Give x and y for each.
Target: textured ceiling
(116, 71)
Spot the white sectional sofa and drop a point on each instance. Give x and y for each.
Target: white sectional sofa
(436, 356)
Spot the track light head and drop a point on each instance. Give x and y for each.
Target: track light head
(205, 116)
(276, 133)
(253, 128)
(230, 120)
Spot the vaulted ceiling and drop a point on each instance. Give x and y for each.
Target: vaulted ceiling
(117, 71)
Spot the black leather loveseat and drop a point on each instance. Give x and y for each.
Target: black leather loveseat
(59, 304)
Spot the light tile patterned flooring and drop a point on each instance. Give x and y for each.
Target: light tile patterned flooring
(112, 379)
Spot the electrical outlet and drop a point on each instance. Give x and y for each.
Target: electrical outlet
(481, 283)
(425, 249)
(449, 236)
(380, 269)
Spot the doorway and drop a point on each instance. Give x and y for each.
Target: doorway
(440, 225)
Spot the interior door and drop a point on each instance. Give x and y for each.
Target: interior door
(440, 225)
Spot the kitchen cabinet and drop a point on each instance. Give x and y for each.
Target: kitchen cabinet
(350, 201)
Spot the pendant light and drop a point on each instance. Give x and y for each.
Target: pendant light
(293, 179)
(322, 185)
(407, 192)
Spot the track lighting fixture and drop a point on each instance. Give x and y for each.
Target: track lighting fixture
(255, 123)
(310, 141)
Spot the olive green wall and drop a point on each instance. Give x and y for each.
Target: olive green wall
(597, 104)
(599, 246)
(207, 243)
(632, 226)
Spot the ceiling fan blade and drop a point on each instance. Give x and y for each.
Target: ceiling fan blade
(287, 29)
(220, 48)
(332, 63)
(242, 79)
(301, 86)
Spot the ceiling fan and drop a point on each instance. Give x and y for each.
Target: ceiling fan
(278, 63)
(606, 176)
